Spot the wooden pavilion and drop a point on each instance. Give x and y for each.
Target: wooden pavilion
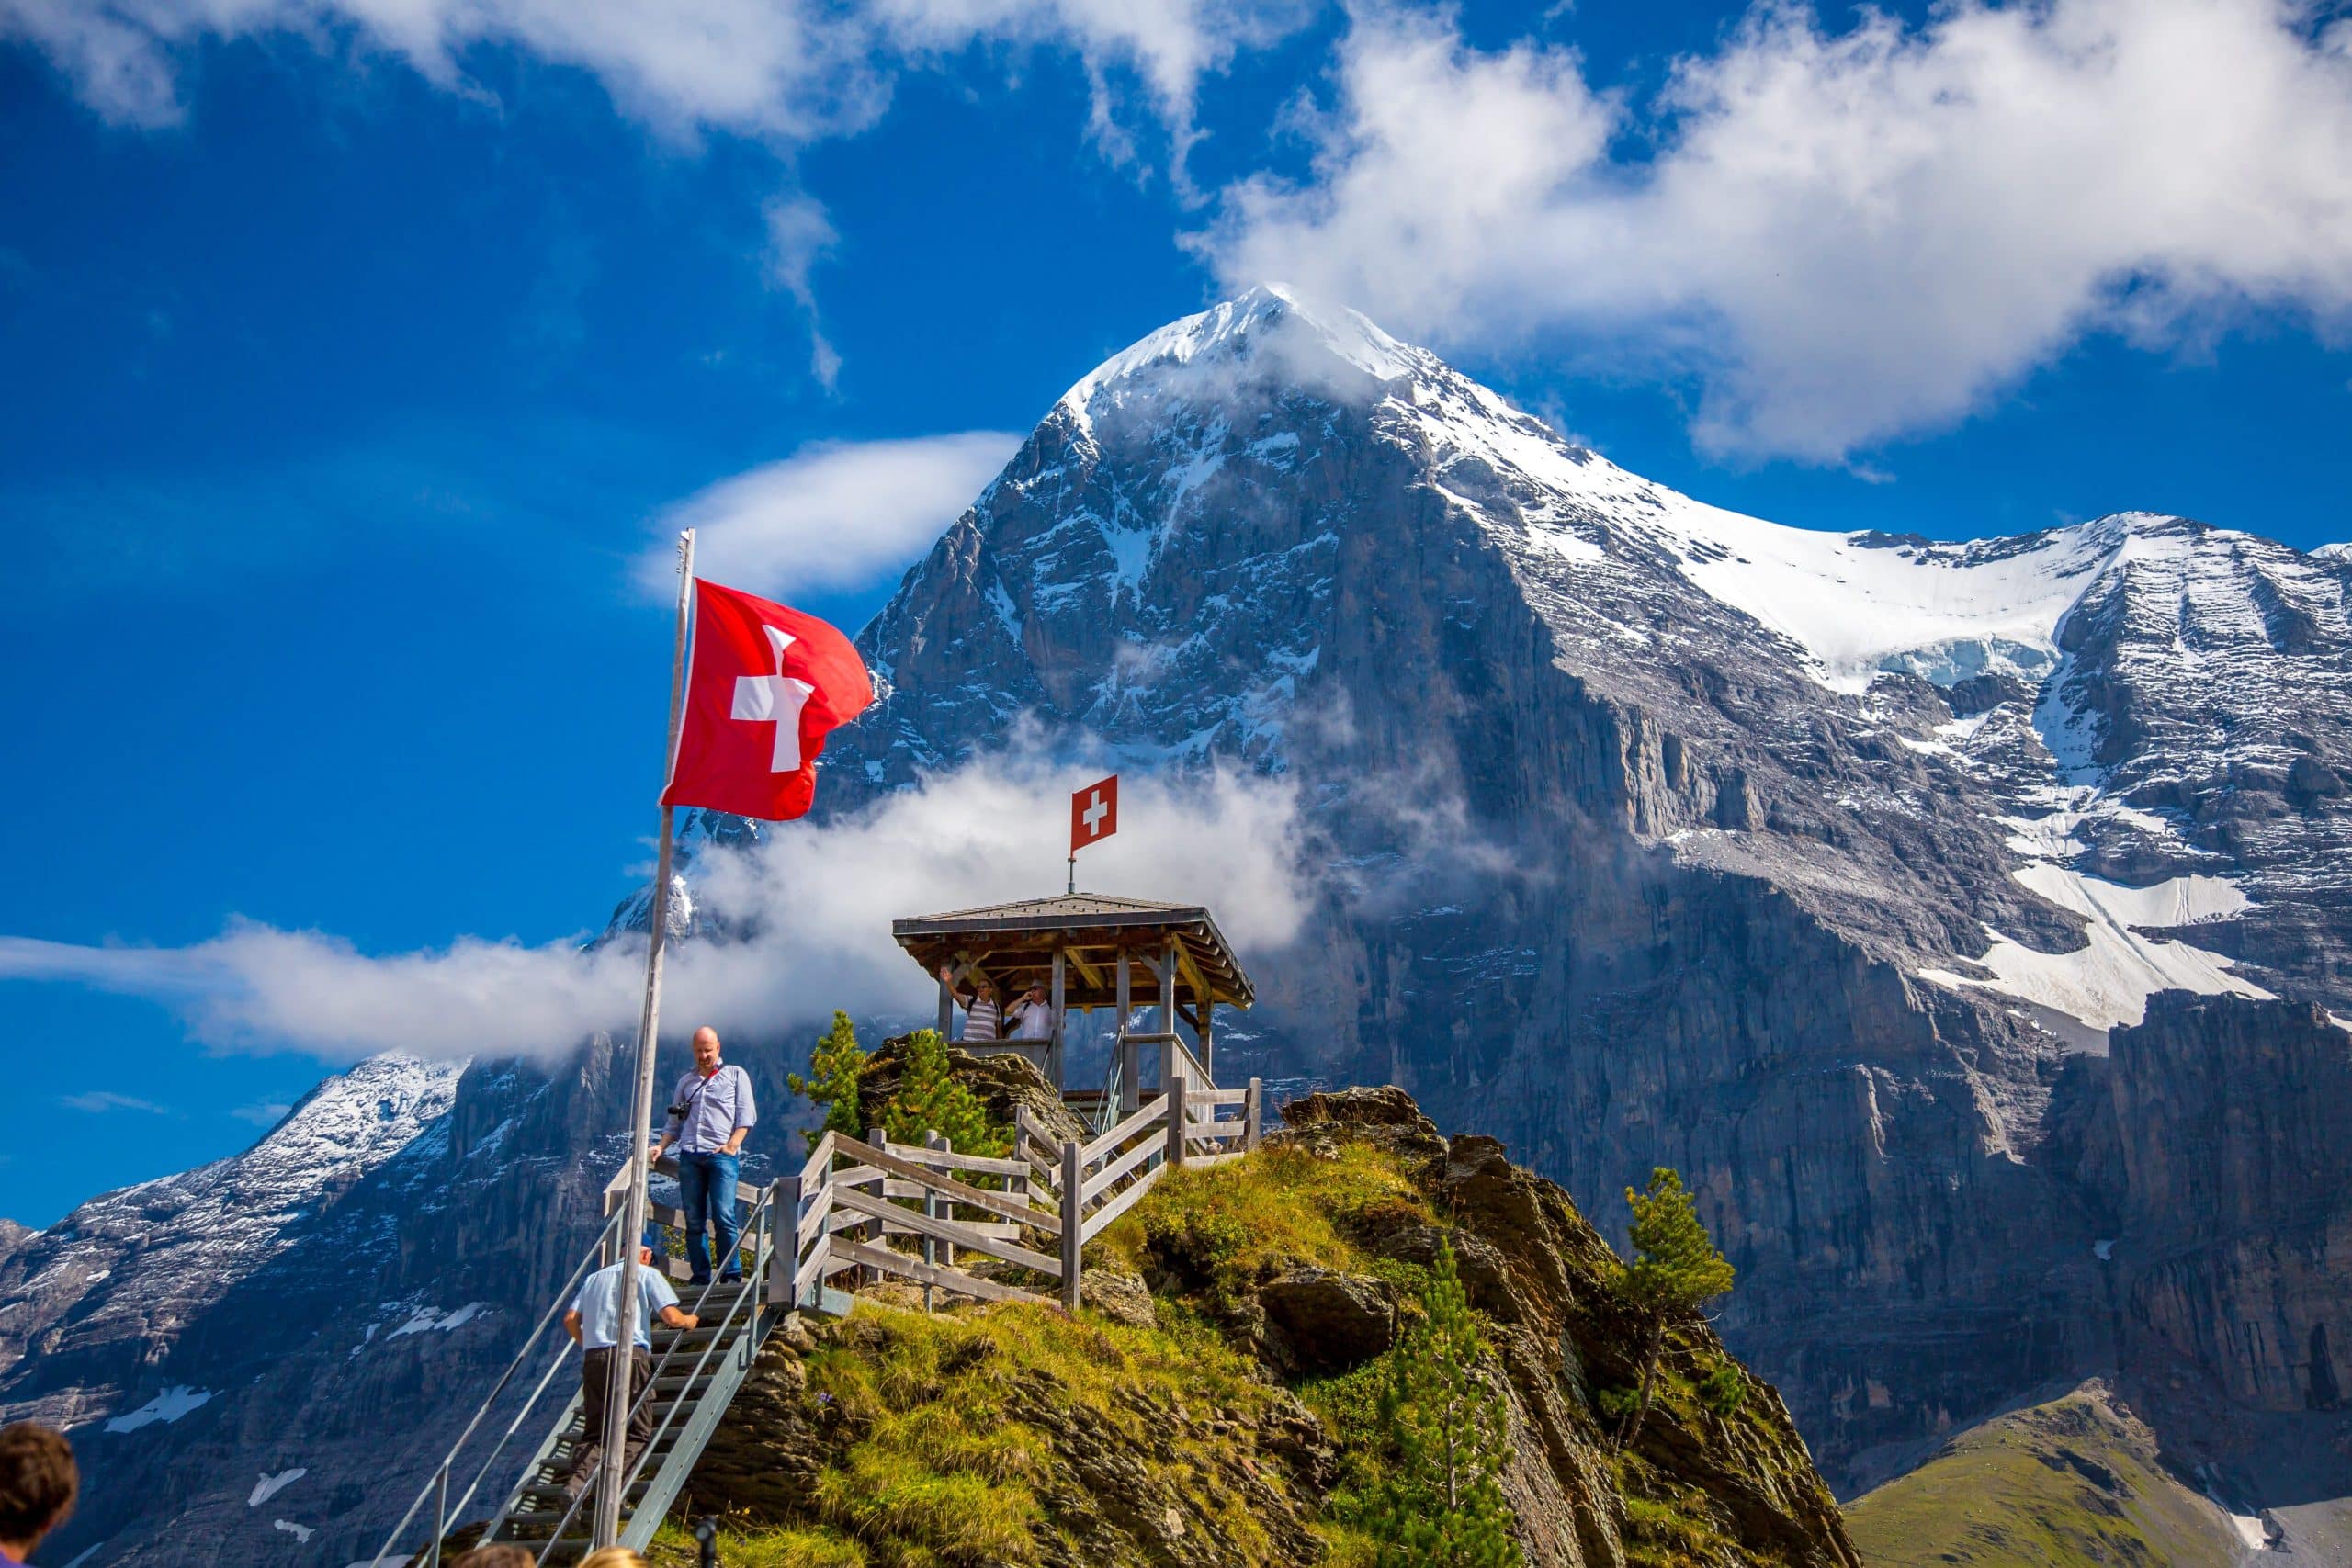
(1090, 951)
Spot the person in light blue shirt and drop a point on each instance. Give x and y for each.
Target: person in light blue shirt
(595, 1324)
(711, 1112)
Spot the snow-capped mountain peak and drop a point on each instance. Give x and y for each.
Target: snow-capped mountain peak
(1271, 332)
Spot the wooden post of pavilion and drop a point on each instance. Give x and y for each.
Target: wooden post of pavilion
(1130, 1059)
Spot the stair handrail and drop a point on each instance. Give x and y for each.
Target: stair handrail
(753, 1284)
(440, 1481)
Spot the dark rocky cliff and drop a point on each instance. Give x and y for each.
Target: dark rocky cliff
(2226, 1178)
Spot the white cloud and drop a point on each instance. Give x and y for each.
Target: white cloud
(781, 68)
(106, 1100)
(834, 514)
(787, 70)
(1845, 238)
(255, 987)
(262, 1113)
(1169, 44)
(800, 234)
(820, 899)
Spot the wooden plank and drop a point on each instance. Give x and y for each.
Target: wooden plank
(914, 1268)
(1101, 1179)
(1215, 1132)
(1175, 1120)
(1120, 1134)
(949, 1230)
(1086, 971)
(813, 1268)
(1051, 1172)
(784, 1199)
(948, 1159)
(1253, 1117)
(1216, 1097)
(1100, 1219)
(1004, 1230)
(1192, 973)
(947, 1187)
(812, 1224)
(1074, 1225)
(1218, 1159)
(819, 1161)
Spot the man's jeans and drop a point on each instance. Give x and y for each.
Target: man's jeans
(707, 1192)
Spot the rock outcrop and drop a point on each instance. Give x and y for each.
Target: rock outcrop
(1136, 1448)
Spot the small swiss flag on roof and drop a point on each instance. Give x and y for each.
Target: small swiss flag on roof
(1093, 814)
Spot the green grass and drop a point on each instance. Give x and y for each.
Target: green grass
(2067, 1483)
(948, 1465)
(1216, 1230)
(948, 1457)
(674, 1547)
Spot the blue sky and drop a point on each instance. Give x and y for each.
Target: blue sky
(351, 367)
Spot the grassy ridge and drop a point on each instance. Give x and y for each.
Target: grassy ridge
(2066, 1484)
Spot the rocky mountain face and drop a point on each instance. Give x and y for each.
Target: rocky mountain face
(261, 1360)
(1817, 867)
(1850, 874)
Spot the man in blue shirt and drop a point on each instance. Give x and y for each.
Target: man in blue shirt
(594, 1324)
(711, 1112)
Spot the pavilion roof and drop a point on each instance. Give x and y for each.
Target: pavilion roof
(1014, 944)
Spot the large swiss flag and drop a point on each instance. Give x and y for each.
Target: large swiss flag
(766, 686)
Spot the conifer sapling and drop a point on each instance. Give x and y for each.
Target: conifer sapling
(1443, 1505)
(1674, 1268)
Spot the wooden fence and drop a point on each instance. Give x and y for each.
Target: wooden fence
(1043, 1205)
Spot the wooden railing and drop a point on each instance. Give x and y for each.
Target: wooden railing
(1043, 1203)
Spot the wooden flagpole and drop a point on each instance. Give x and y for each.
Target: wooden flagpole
(617, 1390)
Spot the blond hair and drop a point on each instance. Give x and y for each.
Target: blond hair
(613, 1557)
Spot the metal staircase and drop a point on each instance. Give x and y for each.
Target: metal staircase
(695, 1374)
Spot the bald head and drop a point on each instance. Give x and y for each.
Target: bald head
(706, 1050)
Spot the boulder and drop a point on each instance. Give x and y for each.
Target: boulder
(1327, 1321)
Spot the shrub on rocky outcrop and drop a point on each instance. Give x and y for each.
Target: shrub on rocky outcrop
(835, 1063)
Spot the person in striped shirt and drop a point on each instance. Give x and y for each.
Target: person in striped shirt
(982, 1014)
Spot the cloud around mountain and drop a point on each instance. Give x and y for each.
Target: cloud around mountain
(804, 925)
(1841, 237)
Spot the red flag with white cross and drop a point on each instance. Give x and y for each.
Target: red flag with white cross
(1093, 814)
(767, 684)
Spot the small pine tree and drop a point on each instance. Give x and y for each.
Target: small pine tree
(1674, 1268)
(1443, 1505)
(1725, 1390)
(930, 1097)
(834, 1063)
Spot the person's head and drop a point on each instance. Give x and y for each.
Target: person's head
(498, 1554)
(987, 988)
(38, 1484)
(613, 1557)
(1036, 993)
(705, 1048)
